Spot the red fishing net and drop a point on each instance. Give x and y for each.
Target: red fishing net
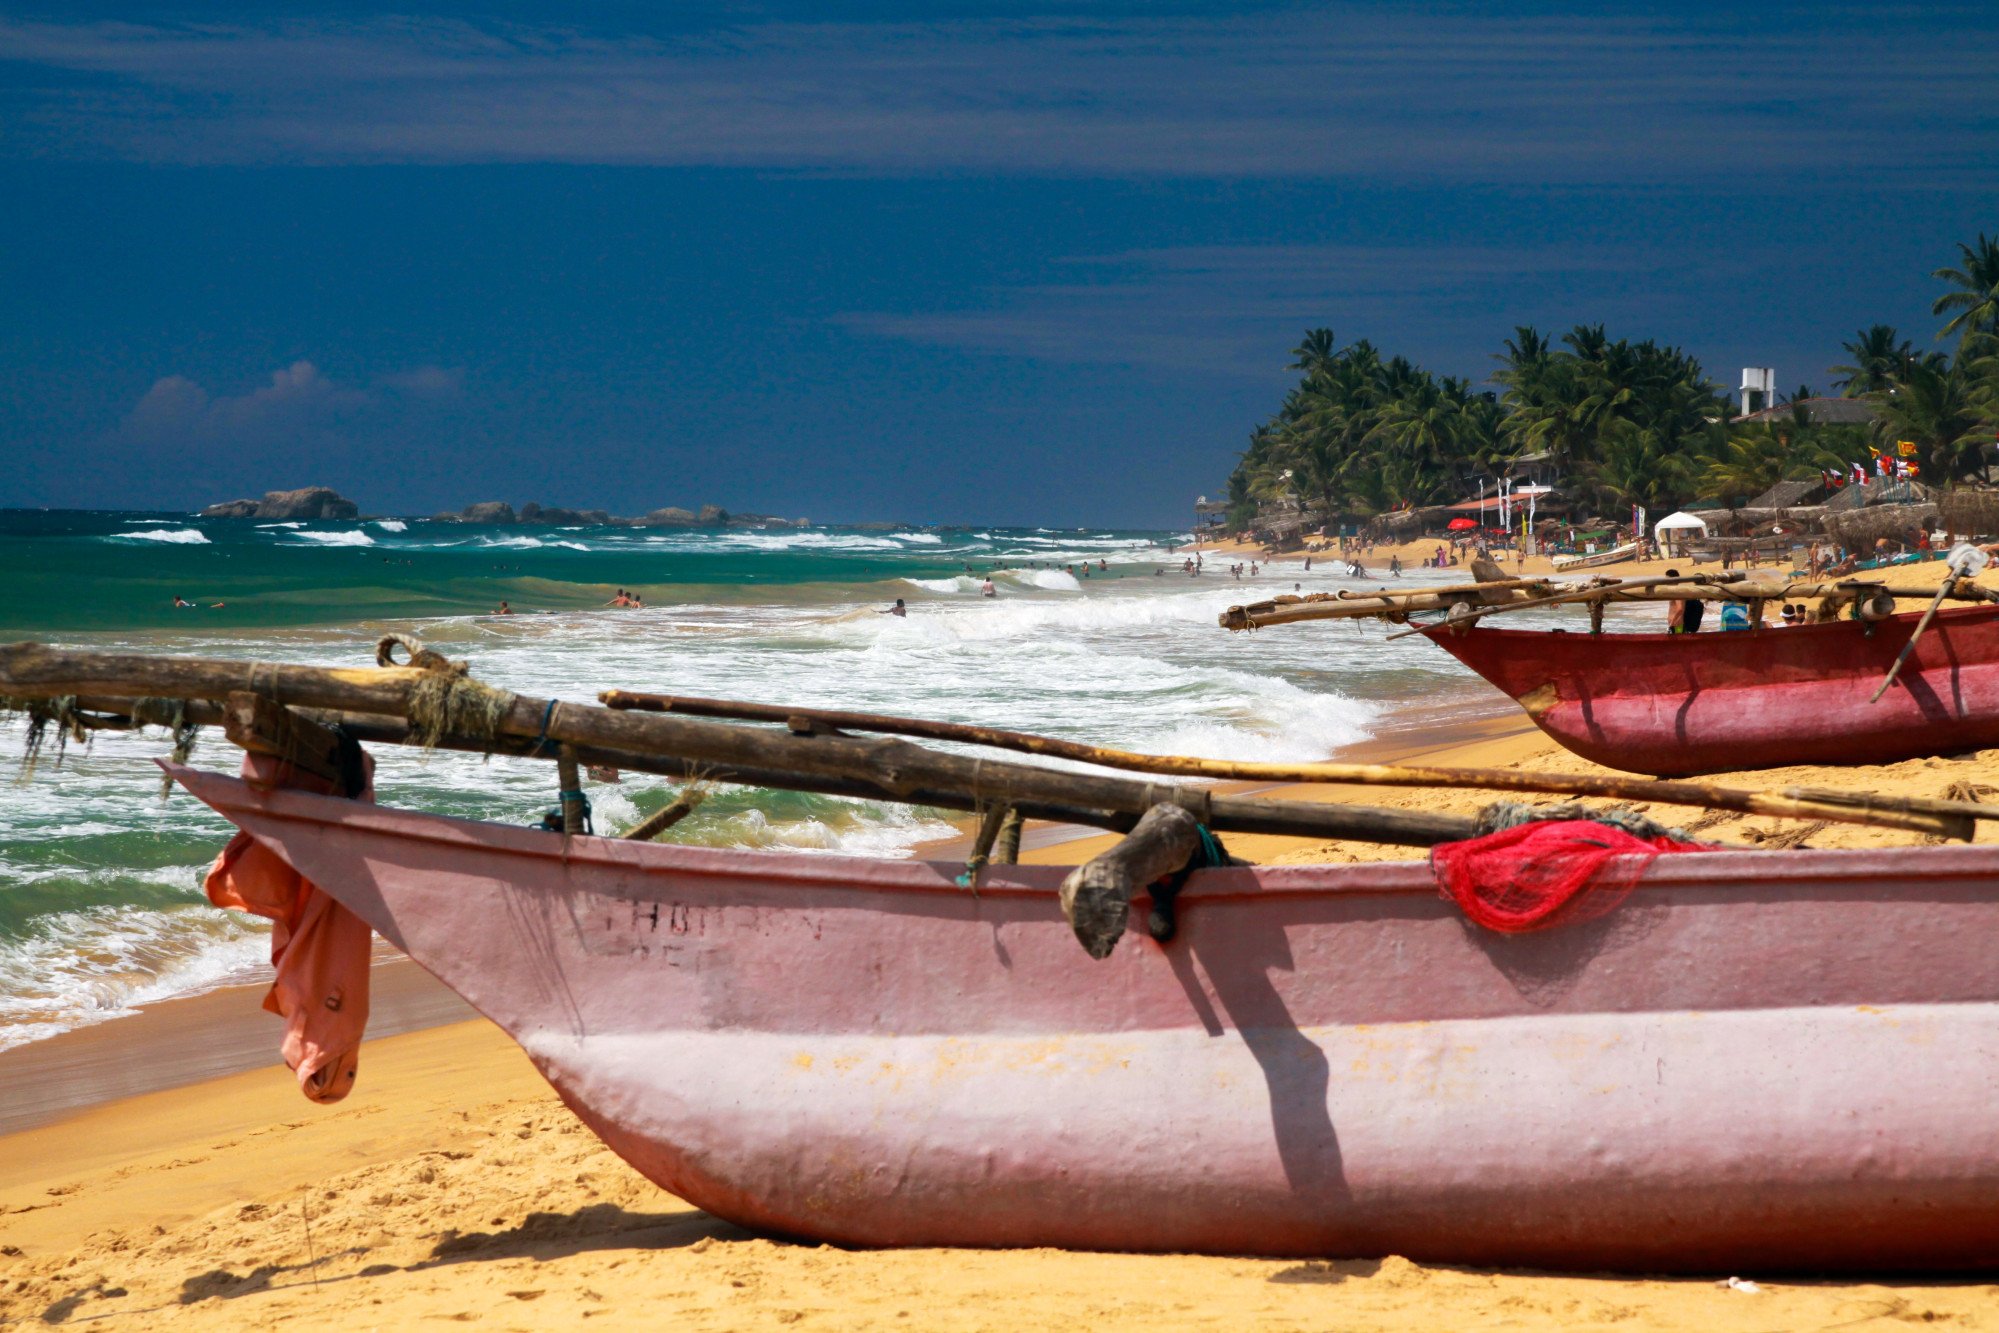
(1548, 873)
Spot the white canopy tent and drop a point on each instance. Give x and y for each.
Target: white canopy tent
(1681, 527)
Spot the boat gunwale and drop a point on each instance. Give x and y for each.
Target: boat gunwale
(801, 870)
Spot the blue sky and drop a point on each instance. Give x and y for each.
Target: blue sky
(946, 262)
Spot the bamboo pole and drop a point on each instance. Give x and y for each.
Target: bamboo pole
(894, 770)
(1907, 813)
(1582, 594)
(903, 772)
(1699, 587)
(1929, 614)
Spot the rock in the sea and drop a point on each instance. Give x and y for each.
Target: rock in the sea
(713, 514)
(670, 517)
(489, 511)
(309, 502)
(557, 516)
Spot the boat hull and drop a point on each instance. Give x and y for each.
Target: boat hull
(1677, 705)
(1761, 1060)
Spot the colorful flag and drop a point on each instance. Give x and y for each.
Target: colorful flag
(1860, 473)
(1906, 448)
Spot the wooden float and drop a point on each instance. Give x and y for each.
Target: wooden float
(1761, 1060)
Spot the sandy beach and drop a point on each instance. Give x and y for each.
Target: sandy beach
(452, 1185)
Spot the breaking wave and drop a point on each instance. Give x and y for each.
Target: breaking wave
(176, 536)
(354, 537)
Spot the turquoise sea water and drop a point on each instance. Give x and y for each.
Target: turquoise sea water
(99, 902)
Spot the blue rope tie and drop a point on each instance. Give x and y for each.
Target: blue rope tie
(542, 740)
(1210, 853)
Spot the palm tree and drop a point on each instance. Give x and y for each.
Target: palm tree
(1947, 412)
(1638, 466)
(1977, 299)
(1758, 455)
(1316, 352)
(1877, 355)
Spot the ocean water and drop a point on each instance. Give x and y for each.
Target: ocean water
(100, 906)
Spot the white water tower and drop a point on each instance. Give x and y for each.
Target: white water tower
(1759, 388)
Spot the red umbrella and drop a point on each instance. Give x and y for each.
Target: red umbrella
(1462, 524)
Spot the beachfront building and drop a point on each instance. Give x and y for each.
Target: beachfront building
(1818, 411)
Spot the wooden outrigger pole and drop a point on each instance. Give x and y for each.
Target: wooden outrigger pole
(1473, 601)
(292, 712)
(1790, 803)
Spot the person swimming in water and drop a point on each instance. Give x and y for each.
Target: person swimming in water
(897, 610)
(987, 589)
(504, 610)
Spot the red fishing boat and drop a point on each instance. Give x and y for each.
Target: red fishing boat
(1680, 704)
(1759, 1060)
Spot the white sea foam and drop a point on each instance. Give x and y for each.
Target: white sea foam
(890, 831)
(262, 526)
(352, 537)
(918, 538)
(392, 525)
(73, 969)
(176, 536)
(1135, 662)
(1054, 580)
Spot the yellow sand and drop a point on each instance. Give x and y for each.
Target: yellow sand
(452, 1186)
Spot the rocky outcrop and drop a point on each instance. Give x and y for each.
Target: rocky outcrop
(309, 502)
(670, 517)
(489, 511)
(557, 516)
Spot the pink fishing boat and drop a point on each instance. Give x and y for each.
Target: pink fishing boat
(1758, 1060)
(1675, 705)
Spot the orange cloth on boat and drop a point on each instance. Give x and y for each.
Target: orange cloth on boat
(319, 948)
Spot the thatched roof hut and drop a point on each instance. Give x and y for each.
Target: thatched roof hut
(1760, 521)
(1970, 512)
(1859, 529)
(1857, 496)
(1414, 521)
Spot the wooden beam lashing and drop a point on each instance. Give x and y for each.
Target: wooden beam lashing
(1096, 897)
(571, 780)
(263, 727)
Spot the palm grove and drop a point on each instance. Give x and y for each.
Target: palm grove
(1626, 423)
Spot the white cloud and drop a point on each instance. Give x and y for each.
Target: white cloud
(1232, 309)
(1787, 93)
(298, 402)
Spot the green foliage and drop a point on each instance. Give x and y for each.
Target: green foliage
(1976, 299)
(1623, 422)
(1947, 412)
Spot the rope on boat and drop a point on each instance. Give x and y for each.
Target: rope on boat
(1499, 816)
(1162, 922)
(446, 700)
